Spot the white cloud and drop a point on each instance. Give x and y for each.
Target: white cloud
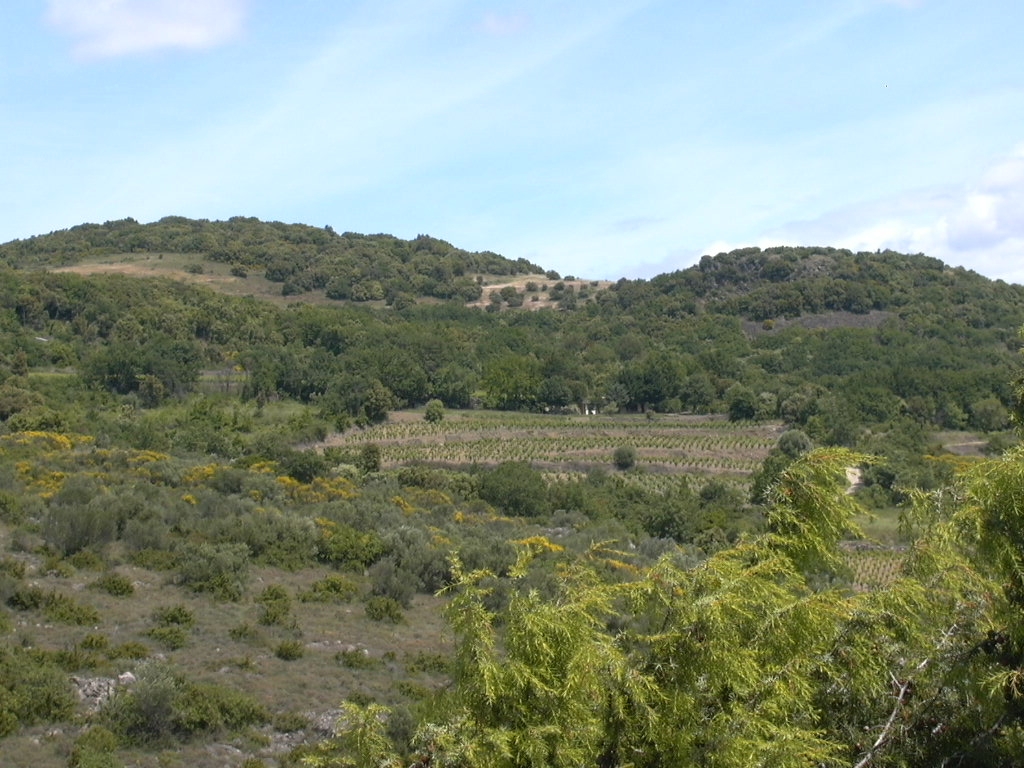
(978, 225)
(110, 28)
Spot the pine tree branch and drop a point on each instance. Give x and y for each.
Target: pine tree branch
(903, 691)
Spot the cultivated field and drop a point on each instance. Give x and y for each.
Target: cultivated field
(667, 446)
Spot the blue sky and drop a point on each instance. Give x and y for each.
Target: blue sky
(604, 138)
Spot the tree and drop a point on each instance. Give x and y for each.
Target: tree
(741, 402)
(749, 658)
(434, 412)
(512, 382)
(515, 487)
(624, 457)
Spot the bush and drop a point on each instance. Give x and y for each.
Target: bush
(220, 569)
(130, 650)
(515, 487)
(170, 637)
(369, 459)
(94, 749)
(356, 659)
(289, 722)
(384, 609)
(33, 690)
(163, 705)
(330, 589)
(624, 457)
(276, 607)
(244, 633)
(179, 615)
(79, 516)
(173, 623)
(14, 568)
(114, 584)
(434, 411)
(55, 606)
(290, 650)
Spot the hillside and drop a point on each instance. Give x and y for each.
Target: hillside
(251, 505)
(296, 257)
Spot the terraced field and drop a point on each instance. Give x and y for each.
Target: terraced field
(667, 446)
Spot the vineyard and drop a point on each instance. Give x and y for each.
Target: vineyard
(667, 446)
(874, 568)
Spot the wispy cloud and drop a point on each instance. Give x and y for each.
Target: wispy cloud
(504, 25)
(110, 28)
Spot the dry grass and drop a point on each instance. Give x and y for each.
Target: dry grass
(311, 686)
(218, 277)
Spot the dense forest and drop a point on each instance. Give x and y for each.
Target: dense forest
(197, 490)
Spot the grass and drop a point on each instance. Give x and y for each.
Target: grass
(310, 680)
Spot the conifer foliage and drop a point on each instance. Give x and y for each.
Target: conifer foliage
(759, 656)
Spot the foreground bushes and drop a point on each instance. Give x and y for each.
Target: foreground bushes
(32, 690)
(163, 705)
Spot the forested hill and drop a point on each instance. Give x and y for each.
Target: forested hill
(827, 340)
(787, 282)
(301, 258)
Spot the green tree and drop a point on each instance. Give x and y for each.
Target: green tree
(515, 487)
(512, 382)
(751, 657)
(434, 411)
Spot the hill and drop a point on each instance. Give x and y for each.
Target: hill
(296, 257)
(250, 505)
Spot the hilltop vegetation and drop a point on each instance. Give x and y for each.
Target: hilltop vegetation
(298, 257)
(252, 507)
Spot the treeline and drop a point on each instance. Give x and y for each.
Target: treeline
(942, 357)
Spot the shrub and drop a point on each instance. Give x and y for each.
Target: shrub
(290, 650)
(244, 633)
(179, 615)
(343, 546)
(130, 650)
(434, 411)
(94, 749)
(369, 459)
(163, 704)
(276, 607)
(87, 560)
(94, 642)
(353, 658)
(55, 606)
(515, 487)
(171, 637)
(289, 722)
(384, 609)
(332, 588)
(15, 568)
(429, 662)
(114, 584)
(79, 516)
(155, 559)
(624, 457)
(220, 569)
(231, 709)
(794, 443)
(33, 689)
(173, 623)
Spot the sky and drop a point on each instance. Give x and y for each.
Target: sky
(602, 139)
